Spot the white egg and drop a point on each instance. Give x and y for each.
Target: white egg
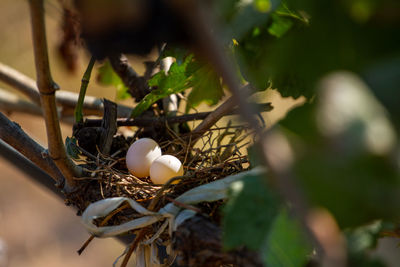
(141, 155)
(164, 168)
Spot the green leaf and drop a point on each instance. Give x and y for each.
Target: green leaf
(71, 147)
(107, 77)
(283, 19)
(254, 155)
(206, 86)
(174, 82)
(263, 5)
(286, 244)
(249, 213)
(280, 25)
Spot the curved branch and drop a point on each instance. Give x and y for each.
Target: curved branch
(67, 100)
(28, 167)
(12, 134)
(23, 83)
(137, 85)
(12, 103)
(47, 88)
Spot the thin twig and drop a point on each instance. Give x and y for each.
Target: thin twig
(213, 117)
(106, 219)
(47, 88)
(133, 246)
(149, 121)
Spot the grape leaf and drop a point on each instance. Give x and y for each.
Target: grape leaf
(257, 54)
(107, 76)
(249, 213)
(166, 84)
(283, 19)
(286, 244)
(280, 25)
(206, 86)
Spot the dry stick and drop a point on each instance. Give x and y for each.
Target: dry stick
(215, 116)
(109, 216)
(47, 89)
(13, 135)
(148, 121)
(67, 100)
(199, 21)
(133, 246)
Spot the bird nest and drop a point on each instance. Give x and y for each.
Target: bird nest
(218, 153)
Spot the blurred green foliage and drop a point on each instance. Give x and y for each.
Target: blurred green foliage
(286, 244)
(345, 138)
(249, 213)
(107, 76)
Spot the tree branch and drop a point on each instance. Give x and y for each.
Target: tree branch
(137, 85)
(213, 117)
(47, 88)
(11, 103)
(67, 100)
(28, 167)
(148, 121)
(12, 134)
(24, 84)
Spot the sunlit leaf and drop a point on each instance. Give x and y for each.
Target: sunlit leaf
(166, 84)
